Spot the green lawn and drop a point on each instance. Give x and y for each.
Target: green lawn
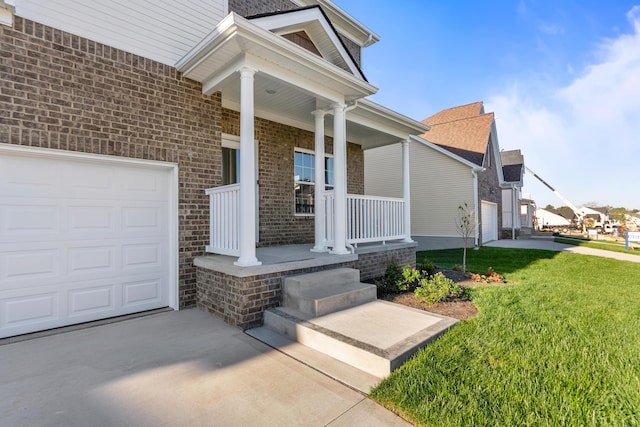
(559, 347)
(607, 245)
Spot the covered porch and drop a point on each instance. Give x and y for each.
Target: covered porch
(261, 74)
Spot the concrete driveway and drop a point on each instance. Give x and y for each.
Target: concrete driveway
(177, 368)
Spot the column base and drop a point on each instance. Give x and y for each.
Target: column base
(319, 249)
(339, 251)
(251, 262)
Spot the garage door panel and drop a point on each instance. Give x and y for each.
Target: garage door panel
(25, 310)
(91, 259)
(26, 174)
(92, 300)
(91, 218)
(27, 218)
(142, 292)
(29, 264)
(80, 239)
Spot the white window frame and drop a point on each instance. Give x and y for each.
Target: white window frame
(313, 183)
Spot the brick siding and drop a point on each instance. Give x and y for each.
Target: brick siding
(489, 190)
(373, 265)
(241, 301)
(65, 92)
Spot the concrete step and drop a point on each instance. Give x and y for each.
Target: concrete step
(375, 337)
(339, 371)
(325, 292)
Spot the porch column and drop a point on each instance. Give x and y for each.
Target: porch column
(247, 172)
(339, 179)
(319, 208)
(406, 190)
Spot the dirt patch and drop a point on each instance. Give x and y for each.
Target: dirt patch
(460, 308)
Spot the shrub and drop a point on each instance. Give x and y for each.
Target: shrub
(437, 288)
(400, 279)
(426, 266)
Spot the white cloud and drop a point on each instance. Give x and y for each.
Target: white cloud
(583, 138)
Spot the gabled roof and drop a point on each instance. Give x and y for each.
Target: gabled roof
(463, 130)
(456, 113)
(512, 165)
(314, 23)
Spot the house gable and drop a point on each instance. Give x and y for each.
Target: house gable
(310, 28)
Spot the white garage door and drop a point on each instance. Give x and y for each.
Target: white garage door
(81, 239)
(489, 221)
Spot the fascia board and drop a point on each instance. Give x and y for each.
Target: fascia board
(345, 23)
(302, 17)
(235, 26)
(447, 153)
(383, 113)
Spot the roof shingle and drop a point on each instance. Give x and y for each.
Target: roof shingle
(463, 130)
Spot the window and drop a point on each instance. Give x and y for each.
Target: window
(230, 159)
(304, 180)
(230, 166)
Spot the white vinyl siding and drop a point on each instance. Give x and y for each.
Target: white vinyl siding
(439, 184)
(163, 31)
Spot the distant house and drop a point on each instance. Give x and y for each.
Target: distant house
(513, 173)
(456, 162)
(547, 218)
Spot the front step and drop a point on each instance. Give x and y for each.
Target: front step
(376, 337)
(333, 313)
(324, 292)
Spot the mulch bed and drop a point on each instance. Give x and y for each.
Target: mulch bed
(458, 308)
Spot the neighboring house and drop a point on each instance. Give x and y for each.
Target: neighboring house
(547, 218)
(513, 174)
(456, 162)
(136, 134)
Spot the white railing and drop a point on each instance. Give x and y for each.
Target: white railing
(369, 218)
(224, 220)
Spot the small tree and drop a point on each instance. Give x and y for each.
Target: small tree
(466, 225)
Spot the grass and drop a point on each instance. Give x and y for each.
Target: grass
(607, 245)
(559, 347)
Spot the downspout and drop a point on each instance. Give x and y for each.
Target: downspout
(513, 212)
(476, 202)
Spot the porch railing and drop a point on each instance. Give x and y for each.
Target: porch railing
(224, 220)
(369, 218)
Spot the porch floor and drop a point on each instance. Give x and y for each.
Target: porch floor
(276, 259)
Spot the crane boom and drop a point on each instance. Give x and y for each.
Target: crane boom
(573, 207)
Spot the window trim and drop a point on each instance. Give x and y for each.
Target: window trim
(313, 183)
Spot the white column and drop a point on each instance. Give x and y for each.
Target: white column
(339, 179)
(406, 190)
(318, 208)
(247, 172)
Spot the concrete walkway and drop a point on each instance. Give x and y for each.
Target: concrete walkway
(550, 245)
(177, 368)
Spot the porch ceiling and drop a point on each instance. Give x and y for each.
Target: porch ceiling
(290, 83)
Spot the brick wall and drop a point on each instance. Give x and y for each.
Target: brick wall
(241, 301)
(64, 92)
(276, 143)
(372, 265)
(489, 189)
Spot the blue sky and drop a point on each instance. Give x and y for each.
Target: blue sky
(562, 77)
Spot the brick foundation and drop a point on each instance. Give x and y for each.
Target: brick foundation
(241, 301)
